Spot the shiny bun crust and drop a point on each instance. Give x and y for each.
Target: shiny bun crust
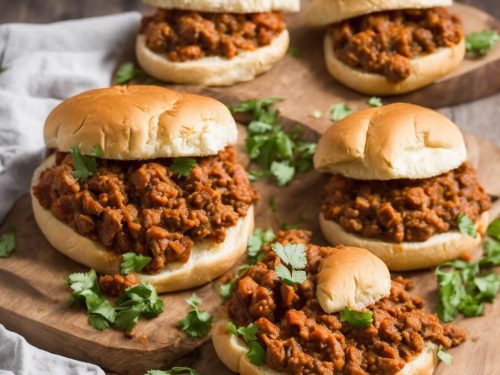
(351, 277)
(232, 351)
(141, 122)
(391, 142)
(208, 260)
(214, 70)
(424, 71)
(407, 256)
(228, 6)
(325, 12)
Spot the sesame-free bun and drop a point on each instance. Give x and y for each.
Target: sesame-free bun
(351, 277)
(213, 70)
(228, 6)
(406, 256)
(325, 12)
(391, 142)
(424, 70)
(207, 261)
(232, 352)
(140, 122)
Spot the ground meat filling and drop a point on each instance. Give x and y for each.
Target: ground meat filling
(143, 207)
(184, 35)
(300, 338)
(384, 42)
(405, 210)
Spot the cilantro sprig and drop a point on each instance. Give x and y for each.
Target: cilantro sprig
(174, 371)
(128, 72)
(339, 111)
(466, 225)
(132, 262)
(444, 357)
(197, 323)
(7, 243)
(279, 154)
(258, 239)
(465, 287)
(295, 52)
(358, 319)
(294, 256)
(481, 42)
(375, 102)
(182, 167)
(256, 353)
(84, 166)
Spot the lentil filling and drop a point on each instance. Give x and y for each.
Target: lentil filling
(184, 35)
(405, 210)
(385, 42)
(300, 338)
(141, 206)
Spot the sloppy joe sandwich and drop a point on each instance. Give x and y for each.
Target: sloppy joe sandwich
(213, 43)
(400, 186)
(147, 170)
(346, 317)
(388, 47)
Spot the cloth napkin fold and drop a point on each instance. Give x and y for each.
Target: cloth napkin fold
(44, 65)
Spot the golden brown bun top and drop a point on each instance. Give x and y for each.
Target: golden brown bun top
(325, 12)
(141, 122)
(228, 6)
(351, 277)
(391, 142)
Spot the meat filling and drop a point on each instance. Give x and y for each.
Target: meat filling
(144, 207)
(300, 338)
(184, 35)
(385, 42)
(405, 210)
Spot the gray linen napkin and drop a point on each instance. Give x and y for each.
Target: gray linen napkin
(45, 64)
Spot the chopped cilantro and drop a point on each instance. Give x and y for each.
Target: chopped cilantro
(482, 41)
(128, 72)
(466, 225)
(339, 111)
(174, 371)
(197, 323)
(444, 357)
(295, 52)
(358, 319)
(293, 255)
(7, 243)
(182, 166)
(84, 166)
(375, 102)
(255, 243)
(132, 262)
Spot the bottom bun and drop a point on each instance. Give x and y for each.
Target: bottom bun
(424, 71)
(207, 261)
(232, 351)
(408, 256)
(214, 70)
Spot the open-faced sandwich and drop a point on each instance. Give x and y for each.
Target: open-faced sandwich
(345, 316)
(387, 47)
(400, 187)
(215, 43)
(147, 170)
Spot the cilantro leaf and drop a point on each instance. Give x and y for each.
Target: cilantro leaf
(444, 357)
(466, 225)
(7, 243)
(339, 111)
(249, 333)
(132, 262)
(283, 172)
(182, 166)
(272, 203)
(255, 243)
(294, 255)
(127, 72)
(295, 52)
(256, 353)
(84, 166)
(358, 319)
(254, 106)
(231, 328)
(197, 323)
(173, 371)
(226, 291)
(494, 229)
(127, 317)
(482, 41)
(375, 102)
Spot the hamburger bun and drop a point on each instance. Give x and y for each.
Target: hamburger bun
(213, 70)
(424, 70)
(325, 12)
(207, 261)
(224, 6)
(406, 256)
(141, 122)
(391, 142)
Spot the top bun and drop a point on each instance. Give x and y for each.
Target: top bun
(391, 142)
(325, 12)
(228, 6)
(351, 277)
(141, 122)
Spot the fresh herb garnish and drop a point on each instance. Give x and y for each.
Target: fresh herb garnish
(255, 243)
(316, 114)
(294, 256)
(272, 203)
(226, 291)
(132, 262)
(465, 287)
(444, 357)
(128, 72)
(466, 225)
(7, 243)
(84, 166)
(182, 166)
(278, 153)
(375, 102)
(256, 353)
(197, 323)
(358, 319)
(174, 371)
(339, 111)
(482, 41)
(295, 52)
